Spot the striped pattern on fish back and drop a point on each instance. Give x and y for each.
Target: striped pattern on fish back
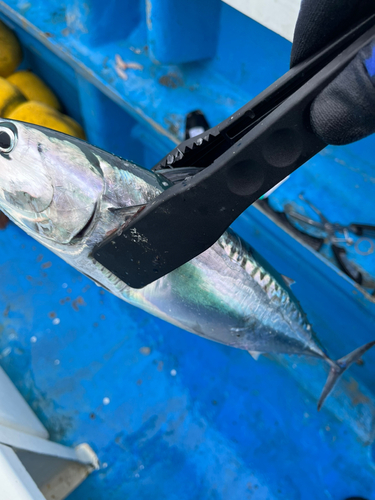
(240, 252)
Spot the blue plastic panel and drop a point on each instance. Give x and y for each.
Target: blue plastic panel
(171, 415)
(94, 23)
(184, 31)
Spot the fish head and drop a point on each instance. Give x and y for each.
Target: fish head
(50, 183)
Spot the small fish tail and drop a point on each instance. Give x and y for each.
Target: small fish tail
(338, 367)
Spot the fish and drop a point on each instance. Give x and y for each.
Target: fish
(70, 196)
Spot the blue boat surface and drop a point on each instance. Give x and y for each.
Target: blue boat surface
(171, 415)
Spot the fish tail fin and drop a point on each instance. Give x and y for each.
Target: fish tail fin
(338, 367)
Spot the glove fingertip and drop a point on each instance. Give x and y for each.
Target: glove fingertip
(344, 111)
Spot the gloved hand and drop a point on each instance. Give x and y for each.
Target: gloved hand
(345, 110)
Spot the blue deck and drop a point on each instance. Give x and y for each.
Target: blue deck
(169, 414)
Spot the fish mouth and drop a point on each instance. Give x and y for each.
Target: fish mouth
(85, 231)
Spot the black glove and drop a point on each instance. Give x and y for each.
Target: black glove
(344, 111)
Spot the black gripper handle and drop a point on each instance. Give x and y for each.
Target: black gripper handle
(189, 217)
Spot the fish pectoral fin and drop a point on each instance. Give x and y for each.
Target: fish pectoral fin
(126, 211)
(255, 354)
(177, 175)
(289, 282)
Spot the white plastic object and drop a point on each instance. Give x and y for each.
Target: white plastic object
(279, 16)
(31, 466)
(15, 412)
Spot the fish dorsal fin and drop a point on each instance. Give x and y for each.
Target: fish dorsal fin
(289, 282)
(255, 354)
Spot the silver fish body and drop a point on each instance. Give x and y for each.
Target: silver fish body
(70, 195)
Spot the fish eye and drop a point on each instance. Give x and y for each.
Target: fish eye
(7, 139)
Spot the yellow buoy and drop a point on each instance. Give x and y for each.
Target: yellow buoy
(10, 51)
(10, 98)
(40, 114)
(79, 132)
(34, 88)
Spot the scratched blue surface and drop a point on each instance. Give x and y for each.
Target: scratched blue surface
(186, 418)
